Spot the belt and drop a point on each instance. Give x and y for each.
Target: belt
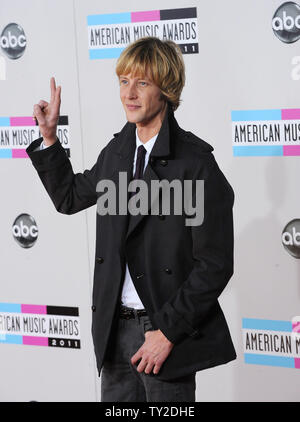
(129, 313)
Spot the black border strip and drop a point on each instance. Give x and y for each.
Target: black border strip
(64, 343)
(185, 13)
(189, 48)
(62, 121)
(62, 310)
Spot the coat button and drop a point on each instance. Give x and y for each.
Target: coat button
(140, 276)
(99, 259)
(93, 308)
(163, 162)
(194, 334)
(168, 270)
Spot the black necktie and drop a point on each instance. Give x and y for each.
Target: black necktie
(139, 166)
(140, 162)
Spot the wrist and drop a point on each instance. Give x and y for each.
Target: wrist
(165, 338)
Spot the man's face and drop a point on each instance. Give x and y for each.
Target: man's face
(141, 98)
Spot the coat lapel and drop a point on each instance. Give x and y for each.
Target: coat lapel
(161, 148)
(126, 153)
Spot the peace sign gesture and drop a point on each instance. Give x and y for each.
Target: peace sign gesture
(47, 114)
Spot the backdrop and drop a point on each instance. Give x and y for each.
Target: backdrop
(241, 95)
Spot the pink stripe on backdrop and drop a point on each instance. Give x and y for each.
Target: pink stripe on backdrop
(296, 326)
(34, 309)
(153, 15)
(291, 150)
(290, 114)
(19, 153)
(22, 121)
(35, 341)
(297, 363)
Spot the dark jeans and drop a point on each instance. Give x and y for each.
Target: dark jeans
(121, 382)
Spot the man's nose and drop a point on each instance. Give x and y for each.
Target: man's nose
(131, 92)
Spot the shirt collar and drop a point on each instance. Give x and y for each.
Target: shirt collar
(148, 145)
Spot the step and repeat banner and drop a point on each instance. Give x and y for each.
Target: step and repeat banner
(242, 82)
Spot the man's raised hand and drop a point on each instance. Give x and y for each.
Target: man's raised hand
(47, 114)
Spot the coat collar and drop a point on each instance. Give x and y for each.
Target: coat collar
(126, 150)
(161, 148)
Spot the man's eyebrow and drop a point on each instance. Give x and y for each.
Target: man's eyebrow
(138, 77)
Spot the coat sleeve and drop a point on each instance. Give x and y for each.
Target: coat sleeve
(69, 192)
(212, 249)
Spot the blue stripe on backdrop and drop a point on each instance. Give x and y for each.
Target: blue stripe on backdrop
(259, 150)
(267, 324)
(105, 53)
(269, 360)
(255, 115)
(107, 19)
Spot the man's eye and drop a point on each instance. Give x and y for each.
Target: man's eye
(123, 81)
(143, 83)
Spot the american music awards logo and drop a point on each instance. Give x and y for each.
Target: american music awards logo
(273, 132)
(17, 133)
(272, 342)
(110, 34)
(39, 325)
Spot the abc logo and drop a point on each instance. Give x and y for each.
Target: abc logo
(286, 22)
(291, 238)
(13, 41)
(25, 230)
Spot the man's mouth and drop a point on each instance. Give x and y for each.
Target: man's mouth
(132, 106)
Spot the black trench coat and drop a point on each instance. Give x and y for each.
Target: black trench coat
(179, 271)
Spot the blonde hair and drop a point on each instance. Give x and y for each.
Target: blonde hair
(161, 60)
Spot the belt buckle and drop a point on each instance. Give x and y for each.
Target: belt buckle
(127, 314)
(141, 312)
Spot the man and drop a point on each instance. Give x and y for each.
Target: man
(156, 318)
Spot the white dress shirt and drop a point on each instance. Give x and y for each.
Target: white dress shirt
(129, 295)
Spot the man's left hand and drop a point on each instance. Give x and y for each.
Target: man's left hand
(153, 352)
